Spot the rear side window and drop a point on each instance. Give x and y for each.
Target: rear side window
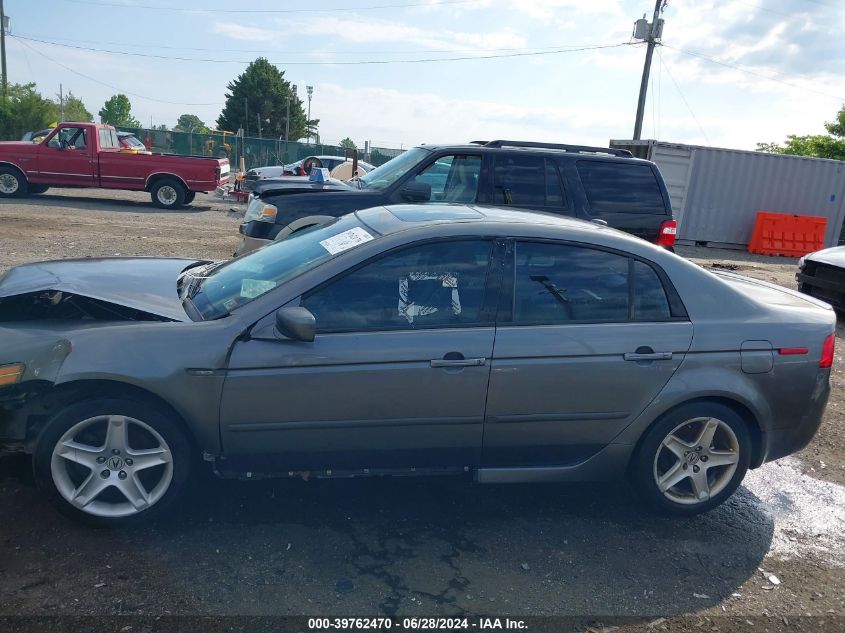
(650, 302)
(560, 283)
(613, 187)
(526, 181)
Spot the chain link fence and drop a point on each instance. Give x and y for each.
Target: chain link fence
(257, 152)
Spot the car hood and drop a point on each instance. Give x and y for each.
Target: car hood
(142, 283)
(833, 256)
(298, 184)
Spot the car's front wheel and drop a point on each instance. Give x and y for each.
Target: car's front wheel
(110, 462)
(692, 459)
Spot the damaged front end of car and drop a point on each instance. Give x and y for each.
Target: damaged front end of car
(45, 306)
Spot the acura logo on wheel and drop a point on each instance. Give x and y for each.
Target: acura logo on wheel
(115, 463)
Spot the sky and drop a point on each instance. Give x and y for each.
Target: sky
(729, 73)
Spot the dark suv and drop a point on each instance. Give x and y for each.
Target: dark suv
(590, 183)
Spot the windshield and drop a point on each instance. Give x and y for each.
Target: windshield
(384, 176)
(241, 280)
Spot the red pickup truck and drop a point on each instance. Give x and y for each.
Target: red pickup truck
(88, 155)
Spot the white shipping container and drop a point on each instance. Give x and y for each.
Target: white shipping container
(716, 193)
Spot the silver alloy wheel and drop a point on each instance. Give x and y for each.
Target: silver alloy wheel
(116, 482)
(9, 184)
(696, 460)
(166, 195)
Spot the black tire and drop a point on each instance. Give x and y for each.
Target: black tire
(13, 183)
(35, 189)
(168, 193)
(646, 463)
(182, 461)
(189, 197)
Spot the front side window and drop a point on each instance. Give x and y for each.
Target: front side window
(617, 187)
(526, 181)
(71, 138)
(437, 284)
(452, 178)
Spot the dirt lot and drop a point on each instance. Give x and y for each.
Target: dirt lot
(404, 547)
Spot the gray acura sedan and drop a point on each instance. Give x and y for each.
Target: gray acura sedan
(515, 346)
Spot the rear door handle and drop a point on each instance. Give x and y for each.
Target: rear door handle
(648, 356)
(463, 362)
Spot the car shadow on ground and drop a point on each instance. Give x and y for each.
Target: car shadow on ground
(108, 204)
(391, 546)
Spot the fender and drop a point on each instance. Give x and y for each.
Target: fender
(165, 174)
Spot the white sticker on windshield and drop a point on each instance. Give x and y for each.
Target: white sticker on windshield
(251, 288)
(346, 240)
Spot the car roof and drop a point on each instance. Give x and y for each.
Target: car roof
(479, 147)
(402, 217)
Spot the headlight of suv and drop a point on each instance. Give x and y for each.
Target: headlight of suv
(11, 374)
(802, 262)
(259, 211)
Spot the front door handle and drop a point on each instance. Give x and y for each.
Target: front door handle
(646, 353)
(458, 362)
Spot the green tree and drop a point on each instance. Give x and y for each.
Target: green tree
(261, 92)
(190, 123)
(74, 109)
(117, 111)
(830, 145)
(24, 110)
(348, 143)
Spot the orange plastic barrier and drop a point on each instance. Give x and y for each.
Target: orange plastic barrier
(787, 234)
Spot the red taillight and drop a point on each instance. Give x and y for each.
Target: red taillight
(827, 351)
(666, 235)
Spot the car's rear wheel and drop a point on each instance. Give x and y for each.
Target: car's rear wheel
(168, 194)
(111, 462)
(692, 459)
(12, 183)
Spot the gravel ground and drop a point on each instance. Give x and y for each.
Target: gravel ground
(404, 546)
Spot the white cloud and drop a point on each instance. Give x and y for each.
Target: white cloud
(391, 31)
(242, 32)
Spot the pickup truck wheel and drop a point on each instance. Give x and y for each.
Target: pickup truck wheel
(189, 197)
(38, 188)
(12, 183)
(168, 194)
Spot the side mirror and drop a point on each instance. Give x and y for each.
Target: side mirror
(416, 191)
(296, 323)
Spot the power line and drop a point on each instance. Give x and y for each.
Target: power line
(713, 60)
(377, 7)
(107, 85)
(683, 98)
(335, 63)
(264, 51)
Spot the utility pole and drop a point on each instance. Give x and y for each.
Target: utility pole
(246, 119)
(61, 102)
(258, 117)
(310, 91)
(651, 32)
(3, 48)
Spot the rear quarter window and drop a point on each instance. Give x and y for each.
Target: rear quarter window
(612, 187)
